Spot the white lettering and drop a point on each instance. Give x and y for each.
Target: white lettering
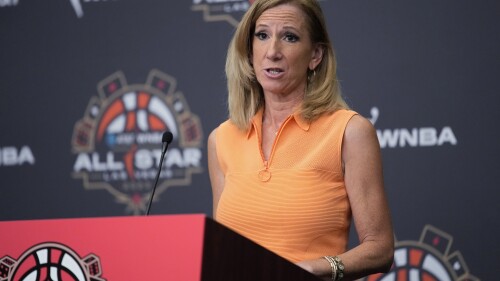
(145, 175)
(192, 157)
(405, 137)
(114, 176)
(77, 6)
(153, 138)
(11, 156)
(189, 157)
(427, 136)
(96, 164)
(388, 138)
(416, 137)
(93, 163)
(236, 7)
(5, 3)
(174, 157)
(82, 163)
(125, 139)
(143, 159)
(111, 164)
(25, 156)
(447, 136)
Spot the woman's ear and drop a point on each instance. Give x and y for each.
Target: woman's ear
(316, 57)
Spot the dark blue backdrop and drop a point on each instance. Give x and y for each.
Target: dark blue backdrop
(425, 72)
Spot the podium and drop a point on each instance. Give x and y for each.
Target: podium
(160, 247)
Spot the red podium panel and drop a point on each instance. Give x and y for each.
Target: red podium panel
(181, 247)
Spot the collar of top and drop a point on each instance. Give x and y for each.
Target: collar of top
(257, 122)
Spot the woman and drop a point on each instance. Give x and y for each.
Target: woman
(293, 164)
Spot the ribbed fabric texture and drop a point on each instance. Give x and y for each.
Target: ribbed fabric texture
(295, 204)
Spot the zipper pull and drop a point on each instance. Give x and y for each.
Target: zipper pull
(265, 174)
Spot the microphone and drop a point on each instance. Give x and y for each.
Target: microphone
(166, 140)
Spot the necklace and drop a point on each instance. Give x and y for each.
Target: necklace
(275, 130)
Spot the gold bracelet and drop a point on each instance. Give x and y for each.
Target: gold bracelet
(333, 265)
(340, 268)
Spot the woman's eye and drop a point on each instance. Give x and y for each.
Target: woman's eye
(290, 37)
(261, 35)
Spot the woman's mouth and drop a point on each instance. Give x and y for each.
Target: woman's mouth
(274, 72)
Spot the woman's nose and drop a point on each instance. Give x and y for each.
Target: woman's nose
(274, 50)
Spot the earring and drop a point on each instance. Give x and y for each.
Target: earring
(311, 75)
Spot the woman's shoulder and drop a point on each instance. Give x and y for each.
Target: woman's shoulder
(349, 120)
(226, 129)
(359, 127)
(227, 125)
(344, 112)
(339, 116)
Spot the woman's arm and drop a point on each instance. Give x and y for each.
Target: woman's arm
(362, 162)
(216, 175)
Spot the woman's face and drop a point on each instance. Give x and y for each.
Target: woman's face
(283, 51)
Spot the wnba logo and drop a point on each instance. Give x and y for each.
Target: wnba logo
(426, 260)
(51, 261)
(117, 142)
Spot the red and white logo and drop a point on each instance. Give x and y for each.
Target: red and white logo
(428, 259)
(51, 262)
(117, 143)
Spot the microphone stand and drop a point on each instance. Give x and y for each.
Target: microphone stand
(167, 138)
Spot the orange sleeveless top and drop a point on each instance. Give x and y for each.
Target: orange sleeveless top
(295, 204)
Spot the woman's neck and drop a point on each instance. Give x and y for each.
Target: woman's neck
(278, 108)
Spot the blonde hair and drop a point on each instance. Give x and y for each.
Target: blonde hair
(245, 95)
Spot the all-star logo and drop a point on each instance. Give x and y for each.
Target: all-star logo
(117, 143)
(427, 259)
(51, 261)
(230, 11)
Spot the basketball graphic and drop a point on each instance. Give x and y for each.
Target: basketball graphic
(136, 112)
(414, 264)
(52, 262)
(426, 260)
